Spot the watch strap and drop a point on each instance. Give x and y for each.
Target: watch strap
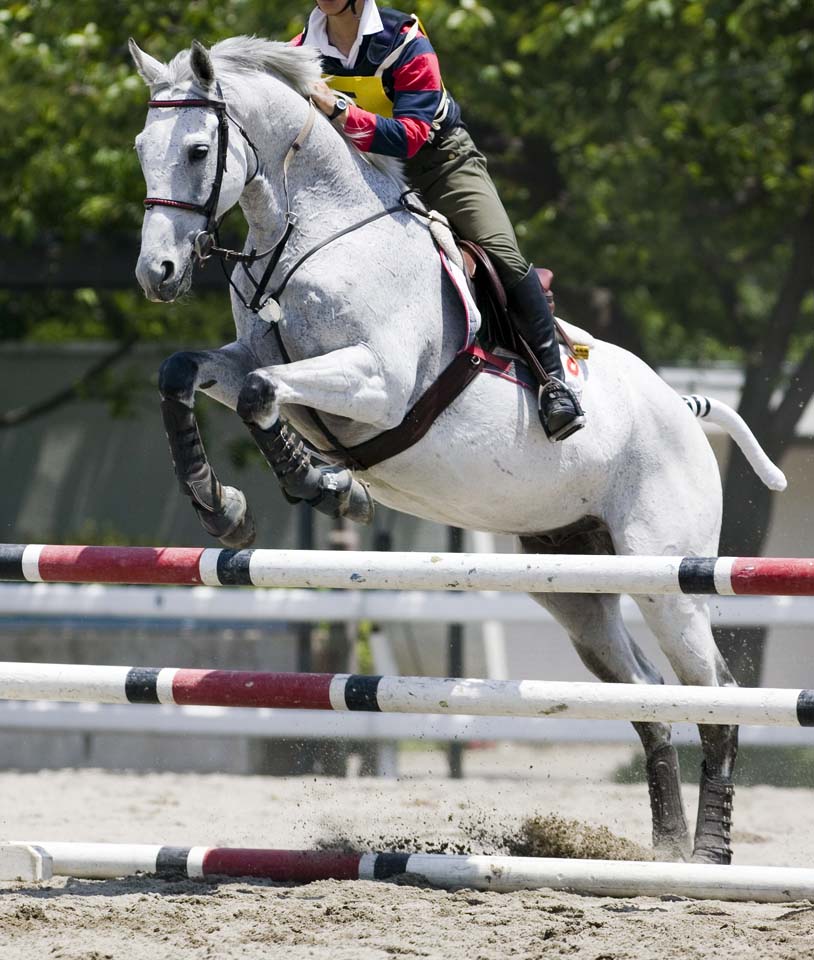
(340, 106)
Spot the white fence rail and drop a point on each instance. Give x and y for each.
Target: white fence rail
(45, 717)
(222, 605)
(219, 604)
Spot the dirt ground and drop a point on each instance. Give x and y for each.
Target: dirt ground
(331, 920)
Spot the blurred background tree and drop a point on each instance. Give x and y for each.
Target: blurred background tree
(659, 156)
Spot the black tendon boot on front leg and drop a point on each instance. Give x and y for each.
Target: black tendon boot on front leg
(222, 510)
(560, 411)
(329, 489)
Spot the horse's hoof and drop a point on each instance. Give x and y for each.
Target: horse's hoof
(340, 495)
(672, 849)
(361, 505)
(243, 535)
(255, 403)
(233, 524)
(721, 855)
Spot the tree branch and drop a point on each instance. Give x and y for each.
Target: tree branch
(13, 418)
(797, 283)
(800, 391)
(765, 362)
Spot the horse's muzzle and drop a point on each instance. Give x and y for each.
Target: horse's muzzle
(163, 280)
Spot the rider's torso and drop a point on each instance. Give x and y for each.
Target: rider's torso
(369, 82)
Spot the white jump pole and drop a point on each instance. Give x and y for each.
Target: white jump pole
(366, 570)
(607, 878)
(507, 698)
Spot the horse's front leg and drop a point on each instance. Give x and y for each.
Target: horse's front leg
(347, 383)
(222, 510)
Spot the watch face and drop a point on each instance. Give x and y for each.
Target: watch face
(341, 103)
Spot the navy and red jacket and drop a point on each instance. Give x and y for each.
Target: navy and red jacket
(412, 83)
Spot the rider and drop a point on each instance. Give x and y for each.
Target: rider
(383, 86)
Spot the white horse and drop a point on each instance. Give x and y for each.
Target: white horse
(365, 324)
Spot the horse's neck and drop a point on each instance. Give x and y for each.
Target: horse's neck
(329, 186)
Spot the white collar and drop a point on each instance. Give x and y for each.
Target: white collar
(317, 33)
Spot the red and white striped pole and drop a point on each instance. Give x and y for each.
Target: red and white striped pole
(369, 570)
(438, 695)
(609, 878)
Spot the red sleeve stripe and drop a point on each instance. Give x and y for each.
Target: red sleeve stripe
(296, 41)
(419, 74)
(370, 132)
(417, 132)
(360, 125)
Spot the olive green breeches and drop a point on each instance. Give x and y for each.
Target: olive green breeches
(453, 178)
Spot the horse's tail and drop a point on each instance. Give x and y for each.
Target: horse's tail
(705, 408)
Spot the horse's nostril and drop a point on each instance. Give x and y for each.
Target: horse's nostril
(167, 270)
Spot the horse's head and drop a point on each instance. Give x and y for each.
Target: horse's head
(193, 171)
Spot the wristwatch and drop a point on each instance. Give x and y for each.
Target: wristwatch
(341, 104)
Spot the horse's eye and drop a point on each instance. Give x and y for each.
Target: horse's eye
(198, 152)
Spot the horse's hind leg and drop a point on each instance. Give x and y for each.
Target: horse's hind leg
(681, 624)
(595, 626)
(222, 510)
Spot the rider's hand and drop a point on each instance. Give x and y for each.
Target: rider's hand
(325, 99)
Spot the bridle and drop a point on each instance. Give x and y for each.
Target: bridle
(206, 242)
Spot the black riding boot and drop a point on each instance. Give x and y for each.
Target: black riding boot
(560, 411)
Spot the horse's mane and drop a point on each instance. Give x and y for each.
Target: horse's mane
(237, 58)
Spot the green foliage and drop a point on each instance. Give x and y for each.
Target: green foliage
(73, 102)
(660, 150)
(73, 105)
(60, 316)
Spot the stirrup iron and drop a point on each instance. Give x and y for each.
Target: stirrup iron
(551, 391)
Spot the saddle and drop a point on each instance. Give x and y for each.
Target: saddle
(496, 332)
(497, 329)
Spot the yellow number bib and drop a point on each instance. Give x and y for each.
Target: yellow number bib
(366, 92)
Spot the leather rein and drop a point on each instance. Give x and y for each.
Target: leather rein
(206, 243)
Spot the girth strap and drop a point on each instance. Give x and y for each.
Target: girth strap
(421, 416)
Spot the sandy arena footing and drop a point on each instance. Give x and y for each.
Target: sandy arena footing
(165, 920)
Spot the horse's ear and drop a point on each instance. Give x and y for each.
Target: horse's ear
(150, 70)
(201, 64)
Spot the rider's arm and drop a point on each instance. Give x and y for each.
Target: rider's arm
(417, 92)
